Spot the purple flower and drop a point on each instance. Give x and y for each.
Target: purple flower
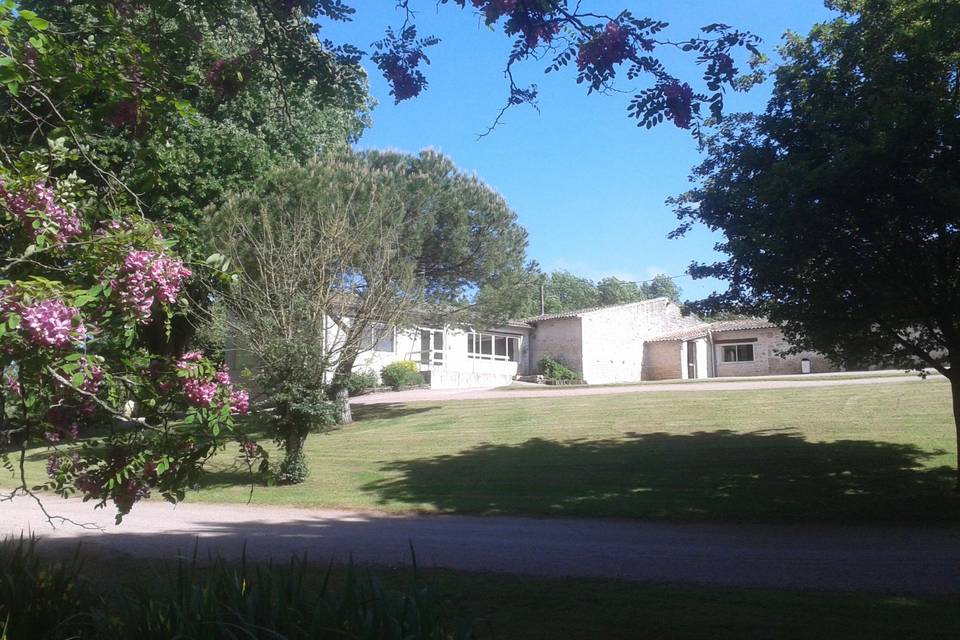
(679, 99)
(50, 323)
(608, 48)
(146, 276)
(240, 401)
(199, 392)
(40, 203)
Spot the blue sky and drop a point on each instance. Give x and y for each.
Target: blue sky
(588, 185)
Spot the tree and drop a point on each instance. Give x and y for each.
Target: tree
(317, 267)
(612, 290)
(255, 87)
(661, 286)
(840, 204)
(86, 277)
(361, 241)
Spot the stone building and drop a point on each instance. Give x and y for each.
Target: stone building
(747, 347)
(648, 340)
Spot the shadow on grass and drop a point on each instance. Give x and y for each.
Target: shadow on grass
(387, 411)
(761, 476)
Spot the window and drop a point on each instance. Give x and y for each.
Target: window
(487, 346)
(431, 347)
(738, 353)
(377, 337)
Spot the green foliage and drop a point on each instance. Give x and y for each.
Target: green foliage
(293, 469)
(839, 205)
(615, 291)
(361, 381)
(550, 368)
(43, 599)
(661, 286)
(564, 291)
(50, 601)
(400, 374)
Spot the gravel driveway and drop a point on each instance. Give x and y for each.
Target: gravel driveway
(844, 558)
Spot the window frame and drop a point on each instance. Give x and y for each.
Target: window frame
(736, 350)
(367, 342)
(477, 341)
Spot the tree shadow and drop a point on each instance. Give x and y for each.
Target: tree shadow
(388, 410)
(772, 475)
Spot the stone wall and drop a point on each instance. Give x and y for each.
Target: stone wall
(766, 359)
(561, 339)
(662, 360)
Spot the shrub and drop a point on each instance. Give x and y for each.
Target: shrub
(293, 469)
(550, 368)
(401, 374)
(361, 381)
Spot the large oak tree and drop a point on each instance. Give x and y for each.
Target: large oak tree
(840, 205)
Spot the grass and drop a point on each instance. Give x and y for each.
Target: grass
(871, 453)
(853, 375)
(508, 607)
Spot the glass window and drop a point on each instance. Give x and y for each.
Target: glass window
(738, 353)
(486, 345)
(512, 350)
(377, 337)
(500, 346)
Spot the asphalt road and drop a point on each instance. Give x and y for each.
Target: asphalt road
(922, 560)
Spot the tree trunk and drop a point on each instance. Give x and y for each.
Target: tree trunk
(340, 393)
(344, 414)
(955, 391)
(293, 443)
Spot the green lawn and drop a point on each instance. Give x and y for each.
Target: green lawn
(880, 452)
(852, 375)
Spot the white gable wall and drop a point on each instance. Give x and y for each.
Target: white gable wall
(613, 338)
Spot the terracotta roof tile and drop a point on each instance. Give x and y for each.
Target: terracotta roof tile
(701, 330)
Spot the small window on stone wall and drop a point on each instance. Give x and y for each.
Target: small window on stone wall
(738, 353)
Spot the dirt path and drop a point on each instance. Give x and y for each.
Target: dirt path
(821, 380)
(844, 558)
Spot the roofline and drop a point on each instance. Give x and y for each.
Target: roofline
(564, 315)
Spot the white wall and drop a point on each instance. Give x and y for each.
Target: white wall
(613, 338)
(457, 369)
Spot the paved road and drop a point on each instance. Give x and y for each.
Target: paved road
(875, 559)
(536, 391)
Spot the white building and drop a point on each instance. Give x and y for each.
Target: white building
(648, 340)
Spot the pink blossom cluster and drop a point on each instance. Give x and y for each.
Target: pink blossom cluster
(51, 323)
(679, 99)
(204, 392)
(240, 401)
(146, 276)
(608, 48)
(199, 392)
(40, 203)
